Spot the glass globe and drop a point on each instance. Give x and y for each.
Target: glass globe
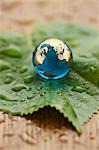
(51, 59)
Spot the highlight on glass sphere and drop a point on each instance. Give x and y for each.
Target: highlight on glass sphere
(51, 59)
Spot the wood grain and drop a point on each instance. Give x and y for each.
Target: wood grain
(46, 129)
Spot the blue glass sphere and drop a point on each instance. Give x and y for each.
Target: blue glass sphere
(51, 59)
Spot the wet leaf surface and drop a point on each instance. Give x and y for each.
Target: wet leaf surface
(76, 95)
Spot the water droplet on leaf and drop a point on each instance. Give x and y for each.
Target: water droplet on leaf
(9, 75)
(30, 96)
(23, 69)
(8, 78)
(5, 96)
(19, 87)
(4, 65)
(28, 79)
(93, 69)
(78, 89)
(11, 51)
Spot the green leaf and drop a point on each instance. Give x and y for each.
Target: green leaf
(76, 95)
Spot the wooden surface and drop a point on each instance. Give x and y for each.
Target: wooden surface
(46, 129)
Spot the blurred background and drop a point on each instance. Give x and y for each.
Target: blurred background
(21, 15)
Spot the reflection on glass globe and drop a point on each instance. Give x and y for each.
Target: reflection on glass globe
(51, 59)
